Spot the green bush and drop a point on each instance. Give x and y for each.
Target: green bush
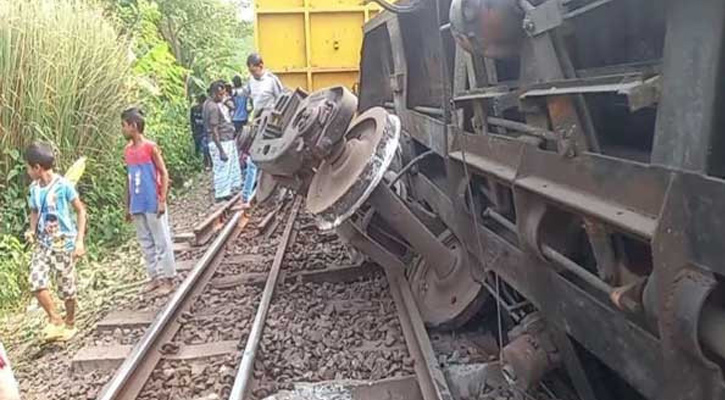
(12, 193)
(13, 271)
(162, 90)
(168, 126)
(65, 79)
(67, 70)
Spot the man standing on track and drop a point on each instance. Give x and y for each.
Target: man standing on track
(222, 147)
(263, 88)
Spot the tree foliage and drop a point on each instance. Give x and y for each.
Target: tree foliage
(206, 37)
(64, 80)
(67, 69)
(179, 47)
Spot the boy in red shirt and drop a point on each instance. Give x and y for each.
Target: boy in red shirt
(146, 189)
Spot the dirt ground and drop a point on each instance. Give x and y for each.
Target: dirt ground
(43, 370)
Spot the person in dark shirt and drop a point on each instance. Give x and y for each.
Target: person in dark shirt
(196, 121)
(222, 146)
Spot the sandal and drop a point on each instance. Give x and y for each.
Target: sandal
(52, 332)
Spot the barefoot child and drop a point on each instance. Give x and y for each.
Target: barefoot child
(146, 189)
(58, 244)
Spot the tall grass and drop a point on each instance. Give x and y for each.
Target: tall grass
(64, 78)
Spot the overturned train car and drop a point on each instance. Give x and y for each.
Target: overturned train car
(559, 161)
(577, 155)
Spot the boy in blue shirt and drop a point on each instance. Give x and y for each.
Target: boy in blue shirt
(239, 118)
(58, 243)
(146, 189)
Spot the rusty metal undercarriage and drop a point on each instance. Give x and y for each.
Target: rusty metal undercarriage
(559, 160)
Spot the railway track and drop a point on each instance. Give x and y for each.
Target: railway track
(276, 306)
(321, 299)
(201, 233)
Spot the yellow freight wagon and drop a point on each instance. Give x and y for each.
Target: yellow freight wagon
(312, 44)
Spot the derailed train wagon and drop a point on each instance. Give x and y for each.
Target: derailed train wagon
(579, 156)
(557, 162)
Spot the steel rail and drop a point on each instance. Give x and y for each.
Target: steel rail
(246, 365)
(415, 333)
(204, 230)
(432, 382)
(132, 375)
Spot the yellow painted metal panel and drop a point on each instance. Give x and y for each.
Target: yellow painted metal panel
(312, 43)
(299, 10)
(282, 41)
(293, 80)
(278, 4)
(321, 80)
(336, 39)
(335, 3)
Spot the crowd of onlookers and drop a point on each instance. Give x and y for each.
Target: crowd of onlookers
(58, 217)
(218, 119)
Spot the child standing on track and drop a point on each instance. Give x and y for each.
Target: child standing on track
(58, 243)
(146, 189)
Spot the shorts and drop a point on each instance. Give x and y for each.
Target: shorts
(60, 263)
(238, 125)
